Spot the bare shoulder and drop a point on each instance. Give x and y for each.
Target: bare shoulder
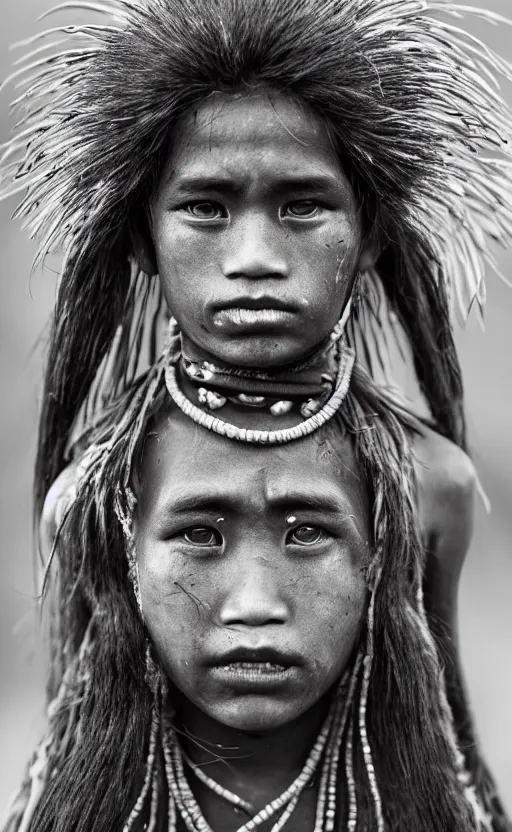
(54, 506)
(446, 493)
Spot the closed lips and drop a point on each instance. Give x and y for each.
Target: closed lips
(240, 316)
(256, 667)
(255, 302)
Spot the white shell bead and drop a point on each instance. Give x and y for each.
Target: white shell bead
(215, 400)
(310, 407)
(279, 408)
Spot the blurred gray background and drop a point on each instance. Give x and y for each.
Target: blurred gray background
(485, 599)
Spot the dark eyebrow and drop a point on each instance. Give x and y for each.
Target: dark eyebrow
(203, 182)
(312, 182)
(228, 184)
(326, 503)
(184, 503)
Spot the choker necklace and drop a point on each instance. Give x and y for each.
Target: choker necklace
(318, 384)
(308, 382)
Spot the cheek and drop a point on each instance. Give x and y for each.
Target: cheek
(333, 613)
(176, 610)
(328, 263)
(184, 258)
(188, 283)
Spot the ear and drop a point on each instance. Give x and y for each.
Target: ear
(369, 254)
(143, 249)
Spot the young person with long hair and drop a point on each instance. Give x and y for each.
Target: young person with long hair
(241, 635)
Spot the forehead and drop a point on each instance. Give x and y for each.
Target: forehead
(183, 460)
(228, 129)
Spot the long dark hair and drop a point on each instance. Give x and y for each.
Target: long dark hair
(93, 759)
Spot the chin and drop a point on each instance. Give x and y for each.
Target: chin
(256, 716)
(268, 352)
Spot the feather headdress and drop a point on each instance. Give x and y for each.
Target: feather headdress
(414, 107)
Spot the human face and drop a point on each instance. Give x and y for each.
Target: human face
(250, 567)
(255, 229)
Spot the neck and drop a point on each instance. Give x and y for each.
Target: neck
(256, 766)
(197, 353)
(304, 398)
(309, 379)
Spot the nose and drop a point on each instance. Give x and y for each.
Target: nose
(254, 599)
(253, 250)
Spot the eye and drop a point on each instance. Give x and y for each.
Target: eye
(302, 209)
(306, 536)
(206, 210)
(203, 536)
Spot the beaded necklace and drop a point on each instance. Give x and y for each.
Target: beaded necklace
(312, 411)
(323, 758)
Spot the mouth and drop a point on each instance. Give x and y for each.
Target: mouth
(250, 677)
(253, 312)
(255, 656)
(246, 318)
(247, 669)
(256, 302)
(257, 668)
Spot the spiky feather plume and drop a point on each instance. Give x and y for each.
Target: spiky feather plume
(412, 101)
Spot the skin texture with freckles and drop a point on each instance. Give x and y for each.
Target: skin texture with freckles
(253, 206)
(253, 584)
